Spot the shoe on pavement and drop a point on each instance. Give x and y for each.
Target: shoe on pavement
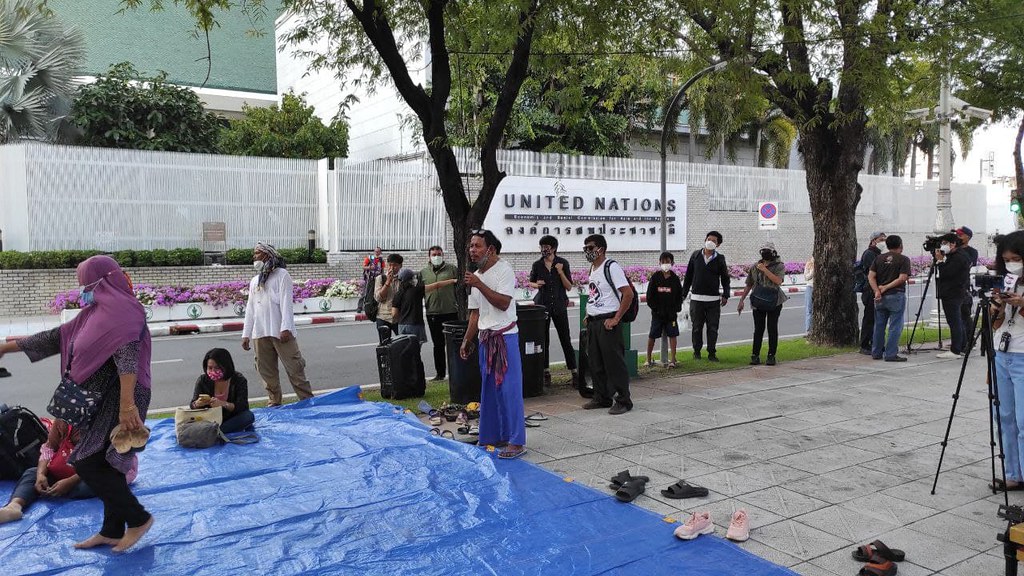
(770, 361)
(755, 360)
(437, 378)
(4, 373)
(896, 359)
(594, 405)
(739, 528)
(699, 523)
(866, 351)
(948, 355)
(873, 357)
(619, 408)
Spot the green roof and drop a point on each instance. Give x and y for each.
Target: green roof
(155, 41)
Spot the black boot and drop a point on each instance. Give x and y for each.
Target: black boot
(771, 360)
(755, 359)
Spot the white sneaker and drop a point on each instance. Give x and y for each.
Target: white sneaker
(947, 355)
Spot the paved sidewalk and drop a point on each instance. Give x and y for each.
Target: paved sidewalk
(825, 454)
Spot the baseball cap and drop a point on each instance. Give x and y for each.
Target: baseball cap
(876, 235)
(965, 231)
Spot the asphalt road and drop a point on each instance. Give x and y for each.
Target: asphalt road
(337, 355)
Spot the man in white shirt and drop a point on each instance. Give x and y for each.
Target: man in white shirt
(606, 352)
(492, 313)
(270, 321)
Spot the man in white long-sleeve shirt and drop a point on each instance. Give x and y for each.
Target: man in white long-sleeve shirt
(270, 321)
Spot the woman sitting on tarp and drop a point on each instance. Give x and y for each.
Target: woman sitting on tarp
(53, 477)
(220, 386)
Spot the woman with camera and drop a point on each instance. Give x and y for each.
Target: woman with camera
(1008, 334)
(764, 284)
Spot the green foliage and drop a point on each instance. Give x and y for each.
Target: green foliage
(56, 259)
(39, 56)
(288, 131)
(123, 109)
(241, 256)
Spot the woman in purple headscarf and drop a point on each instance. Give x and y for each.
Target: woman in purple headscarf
(111, 356)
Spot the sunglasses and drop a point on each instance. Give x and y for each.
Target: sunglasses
(479, 232)
(590, 247)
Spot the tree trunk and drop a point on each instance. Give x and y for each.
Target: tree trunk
(1018, 169)
(832, 187)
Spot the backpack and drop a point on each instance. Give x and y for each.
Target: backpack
(370, 305)
(22, 434)
(860, 277)
(634, 305)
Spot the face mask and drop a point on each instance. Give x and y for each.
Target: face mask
(590, 255)
(666, 267)
(258, 265)
(437, 260)
(1015, 267)
(215, 374)
(545, 253)
(766, 254)
(710, 245)
(85, 298)
(944, 248)
(483, 260)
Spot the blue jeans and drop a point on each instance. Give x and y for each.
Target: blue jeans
(26, 489)
(240, 421)
(889, 311)
(808, 307)
(1010, 384)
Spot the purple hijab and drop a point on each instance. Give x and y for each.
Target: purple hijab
(114, 319)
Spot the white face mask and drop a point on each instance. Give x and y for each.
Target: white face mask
(437, 260)
(710, 245)
(1015, 267)
(666, 267)
(944, 248)
(258, 265)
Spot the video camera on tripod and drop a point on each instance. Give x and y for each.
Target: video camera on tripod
(987, 283)
(933, 243)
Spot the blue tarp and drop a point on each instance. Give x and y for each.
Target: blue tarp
(341, 486)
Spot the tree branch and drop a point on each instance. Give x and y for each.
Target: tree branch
(440, 60)
(380, 34)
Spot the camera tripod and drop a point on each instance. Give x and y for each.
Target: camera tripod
(995, 426)
(920, 308)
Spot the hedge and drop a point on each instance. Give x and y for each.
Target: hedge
(58, 259)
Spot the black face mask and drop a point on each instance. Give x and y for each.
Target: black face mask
(767, 255)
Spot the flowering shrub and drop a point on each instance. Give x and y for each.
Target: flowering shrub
(522, 279)
(343, 289)
(66, 301)
(312, 288)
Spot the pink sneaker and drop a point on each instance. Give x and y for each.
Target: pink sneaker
(739, 528)
(699, 523)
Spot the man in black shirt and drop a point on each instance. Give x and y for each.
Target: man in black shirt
(705, 272)
(407, 306)
(888, 279)
(967, 308)
(952, 275)
(551, 278)
(867, 325)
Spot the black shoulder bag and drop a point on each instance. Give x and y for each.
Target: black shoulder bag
(70, 401)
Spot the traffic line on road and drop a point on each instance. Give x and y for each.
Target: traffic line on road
(167, 361)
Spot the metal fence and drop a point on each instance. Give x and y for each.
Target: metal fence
(60, 197)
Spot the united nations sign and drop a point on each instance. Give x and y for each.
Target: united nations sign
(627, 213)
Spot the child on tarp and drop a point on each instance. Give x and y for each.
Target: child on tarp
(665, 298)
(53, 477)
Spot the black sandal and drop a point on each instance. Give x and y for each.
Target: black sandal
(1000, 486)
(683, 489)
(868, 552)
(631, 489)
(619, 479)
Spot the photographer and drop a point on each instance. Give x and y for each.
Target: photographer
(952, 272)
(1008, 328)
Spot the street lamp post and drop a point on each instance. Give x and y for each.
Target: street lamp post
(679, 101)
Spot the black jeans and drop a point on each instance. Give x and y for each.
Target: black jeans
(561, 320)
(867, 325)
(120, 507)
(392, 329)
(606, 360)
(951, 309)
(967, 312)
(436, 324)
(701, 313)
(771, 319)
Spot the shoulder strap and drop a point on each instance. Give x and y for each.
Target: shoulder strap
(71, 354)
(608, 277)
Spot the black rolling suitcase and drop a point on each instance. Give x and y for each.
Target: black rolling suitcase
(401, 368)
(22, 434)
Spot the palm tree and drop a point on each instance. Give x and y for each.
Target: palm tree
(39, 56)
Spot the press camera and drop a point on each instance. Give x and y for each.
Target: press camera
(933, 243)
(989, 282)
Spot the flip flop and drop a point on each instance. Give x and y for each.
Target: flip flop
(435, 418)
(622, 477)
(684, 489)
(885, 568)
(435, 431)
(631, 489)
(448, 434)
(1001, 486)
(870, 552)
(511, 453)
(531, 424)
(537, 416)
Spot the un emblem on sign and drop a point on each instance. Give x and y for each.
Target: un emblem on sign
(149, 313)
(325, 305)
(194, 311)
(239, 309)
